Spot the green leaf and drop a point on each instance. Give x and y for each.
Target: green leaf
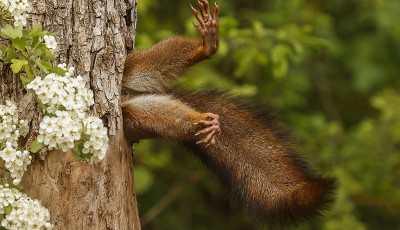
(48, 55)
(43, 106)
(25, 80)
(28, 72)
(17, 65)
(3, 48)
(36, 31)
(19, 43)
(36, 146)
(39, 50)
(58, 71)
(34, 41)
(77, 151)
(8, 209)
(11, 32)
(9, 54)
(87, 156)
(44, 66)
(279, 58)
(17, 186)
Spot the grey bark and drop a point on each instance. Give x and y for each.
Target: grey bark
(94, 37)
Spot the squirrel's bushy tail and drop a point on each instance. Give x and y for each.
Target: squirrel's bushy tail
(257, 165)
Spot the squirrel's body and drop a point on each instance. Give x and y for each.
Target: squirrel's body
(252, 158)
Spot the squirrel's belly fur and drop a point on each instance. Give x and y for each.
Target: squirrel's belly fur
(257, 163)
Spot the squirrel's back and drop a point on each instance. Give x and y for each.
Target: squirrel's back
(256, 163)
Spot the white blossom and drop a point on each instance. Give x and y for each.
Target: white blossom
(15, 161)
(62, 92)
(50, 42)
(67, 100)
(60, 132)
(26, 213)
(98, 141)
(11, 128)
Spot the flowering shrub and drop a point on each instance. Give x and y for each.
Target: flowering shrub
(66, 125)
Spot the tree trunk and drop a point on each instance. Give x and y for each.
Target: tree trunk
(94, 37)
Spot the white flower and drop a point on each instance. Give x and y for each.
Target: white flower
(50, 42)
(62, 66)
(20, 20)
(8, 154)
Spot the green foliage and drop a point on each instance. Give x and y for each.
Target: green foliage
(36, 146)
(28, 46)
(17, 64)
(79, 154)
(8, 53)
(19, 43)
(8, 209)
(10, 32)
(329, 67)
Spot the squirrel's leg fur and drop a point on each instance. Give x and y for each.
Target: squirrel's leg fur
(145, 117)
(151, 70)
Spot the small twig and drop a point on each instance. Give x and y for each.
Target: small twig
(161, 205)
(31, 67)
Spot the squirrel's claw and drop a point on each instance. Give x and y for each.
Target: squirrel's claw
(208, 25)
(212, 130)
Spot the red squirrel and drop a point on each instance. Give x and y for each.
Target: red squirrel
(249, 151)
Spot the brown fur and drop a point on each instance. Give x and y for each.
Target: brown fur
(253, 156)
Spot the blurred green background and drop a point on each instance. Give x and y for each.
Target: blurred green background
(331, 69)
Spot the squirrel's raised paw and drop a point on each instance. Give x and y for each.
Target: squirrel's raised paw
(208, 26)
(211, 120)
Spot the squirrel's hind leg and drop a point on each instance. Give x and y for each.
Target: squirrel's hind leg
(162, 116)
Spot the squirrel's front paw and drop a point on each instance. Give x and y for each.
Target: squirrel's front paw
(212, 129)
(208, 26)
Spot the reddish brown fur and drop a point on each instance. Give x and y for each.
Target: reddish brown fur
(257, 167)
(252, 157)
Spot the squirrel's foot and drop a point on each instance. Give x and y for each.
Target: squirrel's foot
(208, 26)
(212, 130)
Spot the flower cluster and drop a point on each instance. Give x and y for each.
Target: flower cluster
(15, 161)
(98, 139)
(10, 125)
(66, 100)
(22, 212)
(17, 9)
(60, 132)
(62, 92)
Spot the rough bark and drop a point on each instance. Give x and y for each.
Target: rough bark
(94, 37)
